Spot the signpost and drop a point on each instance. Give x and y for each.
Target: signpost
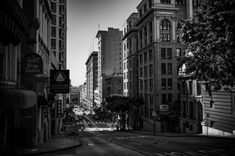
(59, 81)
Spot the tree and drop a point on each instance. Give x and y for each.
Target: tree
(119, 105)
(210, 42)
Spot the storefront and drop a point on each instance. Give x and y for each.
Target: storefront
(17, 120)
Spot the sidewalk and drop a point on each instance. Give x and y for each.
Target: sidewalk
(168, 134)
(58, 143)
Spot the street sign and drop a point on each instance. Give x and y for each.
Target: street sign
(59, 81)
(59, 109)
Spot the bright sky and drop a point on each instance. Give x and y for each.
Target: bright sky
(83, 18)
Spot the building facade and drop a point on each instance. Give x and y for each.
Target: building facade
(130, 59)
(218, 111)
(158, 41)
(91, 77)
(109, 57)
(113, 84)
(58, 51)
(24, 85)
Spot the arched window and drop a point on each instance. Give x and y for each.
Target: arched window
(165, 24)
(165, 30)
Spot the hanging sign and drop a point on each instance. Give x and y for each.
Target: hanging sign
(32, 64)
(59, 81)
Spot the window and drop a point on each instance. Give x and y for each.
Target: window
(53, 44)
(169, 53)
(151, 85)
(150, 55)
(150, 70)
(169, 68)
(141, 85)
(146, 85)
(164, 100)
(165, 37)
(199, 89)
(163, 84)
(150, 3)
(141, 59)
(165, 24)
(145, 35)
(150, 32)
(181, 2)
(196, 2)
(146, 71)
(141, 72)
(169, 83)
(145, 8)
(145, 58)
(53, 7)
(53, 19)
(166, 1)
(190, 87)
(163, 53)
(53, 31)
(170, 98)
(61, 9)
(163, 68)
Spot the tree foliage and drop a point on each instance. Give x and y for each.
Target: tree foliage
(210, 42)
(118, 104)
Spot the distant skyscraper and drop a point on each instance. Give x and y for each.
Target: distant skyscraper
(109, 57)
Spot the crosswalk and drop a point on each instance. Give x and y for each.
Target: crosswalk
(88, 124)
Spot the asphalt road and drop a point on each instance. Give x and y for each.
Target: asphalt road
(113, 143)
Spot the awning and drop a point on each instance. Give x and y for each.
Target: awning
(13, 99)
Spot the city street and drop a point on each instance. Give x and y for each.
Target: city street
(143, 143)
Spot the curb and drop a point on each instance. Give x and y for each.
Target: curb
(51, 151)
(187, 135)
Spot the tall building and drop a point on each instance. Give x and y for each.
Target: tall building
(14, 33)
(130, 59)
(91, 77)
(58, 50)
(59, 33)
(157, 43)
(24, 72)
(109, 57)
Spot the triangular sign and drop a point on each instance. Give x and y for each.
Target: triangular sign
(60, 78)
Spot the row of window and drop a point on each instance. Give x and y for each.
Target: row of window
(166, 68)
(146, 85)
(146, 57)
(166, 83)
(145, 8)
(146, 71)
(182, 2)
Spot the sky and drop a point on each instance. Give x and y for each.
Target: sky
(84, 19)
